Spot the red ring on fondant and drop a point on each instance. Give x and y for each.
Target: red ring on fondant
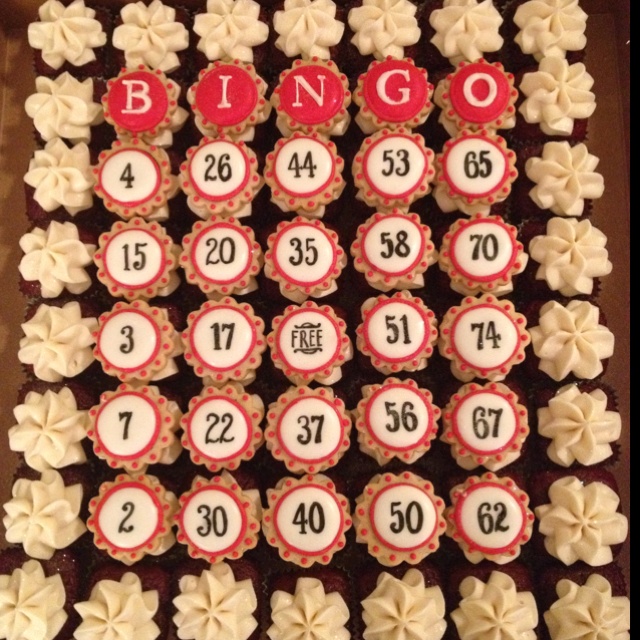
(472, 543)
(376, 309)
(129, 485)
(144, 285)
(247, 421)
(431, 427)
(213, 310)
(282, 271)
(198, 238)
(372, 509)
(412, 266)
(333, 496)
(279, 429)
(330, 360)
(152, 440)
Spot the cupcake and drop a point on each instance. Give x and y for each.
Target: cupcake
(309, 343)
(43, 515)
(58, 341)
(68, 38)
(305, 259)
(304, 174)
(224, 342)
(221, 257)
(482, 255)
(393, 250)
(393, 169)
(137, 260)
(489, 518)
(306, 519)
(151, 35)
(136, 342)
(222, 427)
(133, 178)
(399, 518)
(308, 429)
(485, 425)
(391, 94)
(55, 258)
(398, 333)
(570, 340)
(217, 520)
(229, 98)
(220, 178)
(132, 517)
(134, 427)
(396, 419)
(143, 103)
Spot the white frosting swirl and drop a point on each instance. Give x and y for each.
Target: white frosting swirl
(551, 27)
(58, 342)
(66, 33)
(31, 605)
(230, 29)
(214, 605)
(118, 611)
(495, 609)
(564, 177)
(56, 258)
(309, 614)
(61, 177)
(404, 609)
(150, 35)
(42, 515)
(588, 612)
(50, 429)
(307, 28)
(581, 522)
(384, 27)
(63, 107)
(466, 29)
(570, 340)
(579, 426)
(571, 255)
(556, 94)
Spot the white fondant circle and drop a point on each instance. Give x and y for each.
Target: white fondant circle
(213, 520)
(219, 429)
(392, 338)
(471, 337)
(395, 165)
(304, 167)
(304, 254)
(475, 166)
(485, 422)
(397, 416)
(483, 250)
(310, 429)
(308, 341)
(134, 258)
(404, 517)
(127, 425)
(129, 340)
(219, 170)
(393, 245)
(129, 516)
(320, 518)
(130, 177)
(227, 346)
(221, 253)
(490, 517)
